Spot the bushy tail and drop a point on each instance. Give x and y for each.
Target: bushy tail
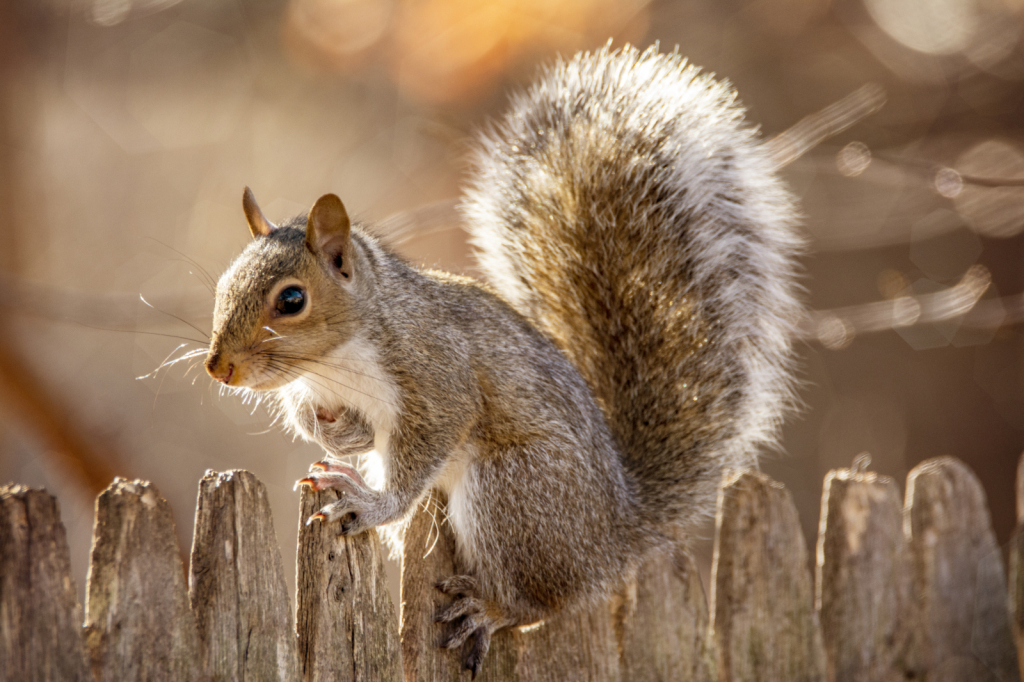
(626, 208)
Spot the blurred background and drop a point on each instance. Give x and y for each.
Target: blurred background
(128, 129)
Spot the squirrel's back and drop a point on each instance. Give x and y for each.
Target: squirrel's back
(626, 208)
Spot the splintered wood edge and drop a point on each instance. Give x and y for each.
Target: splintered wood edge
(238, 591)
(134, 537)
(35, 582)
(345, 620)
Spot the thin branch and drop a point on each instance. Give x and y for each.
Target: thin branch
(809, 132)
(836, 328)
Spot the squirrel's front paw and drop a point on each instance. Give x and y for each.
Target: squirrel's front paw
(357, 499)
(351, 520)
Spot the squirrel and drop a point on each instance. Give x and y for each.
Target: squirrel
(578, 411)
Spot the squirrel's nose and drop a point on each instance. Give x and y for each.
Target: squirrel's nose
(218, 369)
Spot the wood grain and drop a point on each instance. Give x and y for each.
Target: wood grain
(959, 584)
(40, 618)
(765, 625)
(138, 625)
(237, 586)
(661, 623)
(864, 596)
(347, 629)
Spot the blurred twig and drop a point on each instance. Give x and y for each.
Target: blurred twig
(932, 168)
(836, 328)
(812, 130)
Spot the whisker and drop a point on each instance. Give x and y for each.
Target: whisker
(290, 370)
(136, 331)
(180, 346)
(317, 361)
(356, 390)
(180, 319)
(210, 281)
(168, 362)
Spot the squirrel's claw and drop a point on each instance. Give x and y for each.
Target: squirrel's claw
(331, 475)
(475, 657)
(351, 521)
(333, 466)
(481, 642)
(461, 632)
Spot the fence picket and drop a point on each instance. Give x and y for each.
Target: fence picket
(763, 617)
(917, 591)
(40, 618)
(964, 631)
(863, 580)
(347, 629)
(662, 623)
(138, 625)
(237, 586)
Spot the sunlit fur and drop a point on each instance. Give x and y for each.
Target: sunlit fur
(639, 343)
(625, 208)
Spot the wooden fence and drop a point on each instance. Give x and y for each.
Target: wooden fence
(902, 591)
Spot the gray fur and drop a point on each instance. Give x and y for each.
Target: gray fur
(645, 249)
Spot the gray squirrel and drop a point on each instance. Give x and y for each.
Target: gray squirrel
(577, 412)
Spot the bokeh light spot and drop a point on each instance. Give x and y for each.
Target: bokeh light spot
(853, 159)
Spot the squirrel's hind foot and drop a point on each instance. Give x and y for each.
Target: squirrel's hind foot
(472, 619)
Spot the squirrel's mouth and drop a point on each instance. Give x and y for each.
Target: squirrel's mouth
(265, 381)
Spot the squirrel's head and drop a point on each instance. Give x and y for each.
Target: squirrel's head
(285, 301)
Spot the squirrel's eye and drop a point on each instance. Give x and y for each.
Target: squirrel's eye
(290, 301)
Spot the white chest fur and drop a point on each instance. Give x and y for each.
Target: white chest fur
(351, 376)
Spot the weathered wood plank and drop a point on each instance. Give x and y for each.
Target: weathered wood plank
(763, 617)
(570, 646)
(661, 623)
(138, 625)
(1016, 578)
(428, 555)
(863, 582)
(237, 586)
(575, 645)
(40, 618)
(959, 582)
(347, 629)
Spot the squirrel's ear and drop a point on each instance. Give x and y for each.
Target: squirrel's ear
(258, 223)
(327, 230)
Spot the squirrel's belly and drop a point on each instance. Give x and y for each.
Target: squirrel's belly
(456, 481)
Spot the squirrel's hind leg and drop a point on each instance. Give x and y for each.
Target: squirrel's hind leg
(472, 618)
